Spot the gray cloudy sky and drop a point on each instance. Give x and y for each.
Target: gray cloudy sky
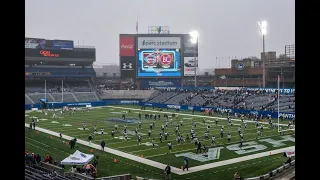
(226, 27)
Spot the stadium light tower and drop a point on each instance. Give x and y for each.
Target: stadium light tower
(263, 31)
(195, 35)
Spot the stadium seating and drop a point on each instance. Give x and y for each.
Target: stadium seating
(224, 99)
(86, 96)
(40, 173)
(163, 97)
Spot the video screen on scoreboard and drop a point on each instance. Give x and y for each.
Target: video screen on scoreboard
(159, 63)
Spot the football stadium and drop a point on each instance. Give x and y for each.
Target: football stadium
(199, 131)
(157, 115)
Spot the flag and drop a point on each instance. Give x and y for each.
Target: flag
(137, 25)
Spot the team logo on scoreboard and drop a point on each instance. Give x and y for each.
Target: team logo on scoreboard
(151, 59)
(165, 59)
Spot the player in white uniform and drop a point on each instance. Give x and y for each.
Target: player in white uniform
(167, 124)
(259, 133)
(221, 132)
(206, 135)
(95, 128)
(280, 129)
(84, 126)
(149, 133)
(241, 136)
(229, 138)
(239, 130)
(166, 136)
(213, 140)
(162, 128)
(181, 123)
(208, 128)
(152, 143)
(54, 115)
(116, 127)
(102, 131)
(139, 139)
(125, 136)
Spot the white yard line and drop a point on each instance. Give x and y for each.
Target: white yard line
(162, 166)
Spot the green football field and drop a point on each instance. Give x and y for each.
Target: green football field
(107, 117)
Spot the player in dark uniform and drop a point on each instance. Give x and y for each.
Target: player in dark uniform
(151, 126)
(90, 138)
(199, 147)
(112, 133)
(159, 116)
(169, 146)
(139, 116)
(187, 138)
(240, 144)
(160, 137)
(152, 143)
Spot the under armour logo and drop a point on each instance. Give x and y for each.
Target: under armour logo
(127, 66)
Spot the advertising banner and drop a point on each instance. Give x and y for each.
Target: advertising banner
(159, 63)
(62, 44)
(50, 53)
(128, 66)
(190, 66)
(160, 83)
(159, 42)
(290, 153)
(127, 46)
(189, 48)
(34, 43)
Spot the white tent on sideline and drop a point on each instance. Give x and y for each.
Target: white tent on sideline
(77, 158)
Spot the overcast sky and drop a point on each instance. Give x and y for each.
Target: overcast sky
(226, 27)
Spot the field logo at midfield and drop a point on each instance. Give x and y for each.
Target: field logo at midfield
(252, 146)
(120, 120)
(149, 144)
(99, 132)
(278, 143)
(213, 154)
(248, 147)
(86, 129)
(66, 125)
(129, 132)
(121, 137)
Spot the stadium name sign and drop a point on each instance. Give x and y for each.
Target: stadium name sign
(129, 102)
(174, 106)
(248, 147)
(287, 115)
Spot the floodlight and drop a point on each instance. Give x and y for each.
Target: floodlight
(194, 35)
(263, 27)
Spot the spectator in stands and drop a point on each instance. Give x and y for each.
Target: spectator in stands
(74, 169)
(48, 159)
(288, 161)
(237, 176)
(38, 159)
(33, 159)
